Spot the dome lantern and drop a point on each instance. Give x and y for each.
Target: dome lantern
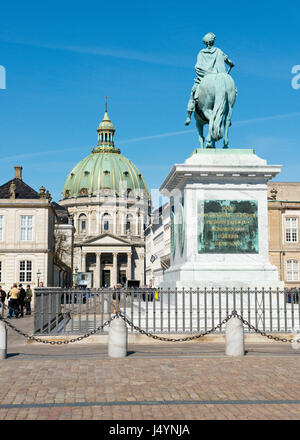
(106, 132)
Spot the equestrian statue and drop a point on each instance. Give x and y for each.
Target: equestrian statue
(213, 94)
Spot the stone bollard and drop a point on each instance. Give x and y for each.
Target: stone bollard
(235, 345)
(3, 341)
(117, 338)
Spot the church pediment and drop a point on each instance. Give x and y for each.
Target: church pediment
(106, 240)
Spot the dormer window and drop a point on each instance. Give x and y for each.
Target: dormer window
(83, 192)
(86, 173)
(106, 172)
(126, 173)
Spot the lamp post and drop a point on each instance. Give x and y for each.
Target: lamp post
(38, 274)
(75, 277)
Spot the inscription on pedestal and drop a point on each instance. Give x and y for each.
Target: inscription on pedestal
(227, 226)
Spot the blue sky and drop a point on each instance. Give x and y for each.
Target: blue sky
(63, 57)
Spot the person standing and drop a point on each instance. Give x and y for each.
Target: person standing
(14, 301)
(28, 299)
(2, 299)
(2, 296)
(21, 300)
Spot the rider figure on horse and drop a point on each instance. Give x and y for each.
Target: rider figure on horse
(209, 60)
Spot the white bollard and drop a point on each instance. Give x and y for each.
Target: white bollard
(235, 345)
(117, 338)
(3, 341)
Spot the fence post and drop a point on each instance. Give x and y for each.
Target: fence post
(117, 338)
(3, 340)
(235, 345)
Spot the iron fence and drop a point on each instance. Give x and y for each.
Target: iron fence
(74, 311)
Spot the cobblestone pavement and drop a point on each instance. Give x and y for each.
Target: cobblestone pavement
(182, 381)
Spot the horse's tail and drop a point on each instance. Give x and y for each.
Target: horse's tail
(219, 107)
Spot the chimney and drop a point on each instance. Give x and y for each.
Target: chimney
(18, 172)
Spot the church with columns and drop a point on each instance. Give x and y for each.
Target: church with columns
(107, 198)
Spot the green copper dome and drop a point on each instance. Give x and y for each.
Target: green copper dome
(104, 169)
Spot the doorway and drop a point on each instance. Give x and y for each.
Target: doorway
(105, 278)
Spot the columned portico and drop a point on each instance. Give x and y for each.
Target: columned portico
(110, 260)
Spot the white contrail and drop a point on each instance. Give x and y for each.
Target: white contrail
(244, 121)
(165, 59)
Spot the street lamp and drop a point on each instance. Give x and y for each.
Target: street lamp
(38, 274)
(75, 277)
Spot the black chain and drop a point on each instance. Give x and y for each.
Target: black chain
(44, 341)
(161, 338)
(251, 327)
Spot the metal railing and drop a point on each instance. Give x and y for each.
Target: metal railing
(74, 311)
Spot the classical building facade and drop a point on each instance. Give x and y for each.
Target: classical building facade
(107, 197)
(284, 236)
(27, 240)
(158, 245)
(284, 224)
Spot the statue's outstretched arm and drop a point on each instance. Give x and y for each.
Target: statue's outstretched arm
(228, 61)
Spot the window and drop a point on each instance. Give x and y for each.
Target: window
(25, 271)
(82, 223)
(26, 227)
(106, 219)
(1, 227)
(292, 270)
(291, 229)
(0, 271)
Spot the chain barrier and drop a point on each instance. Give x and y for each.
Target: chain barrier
(161, 338)
(44, 341)
(262, 333)
(151, 335)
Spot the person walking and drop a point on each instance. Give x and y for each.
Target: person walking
(14, 301)
(21, 300)
(28, 299)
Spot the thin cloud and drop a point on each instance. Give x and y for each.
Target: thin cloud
(165, 59)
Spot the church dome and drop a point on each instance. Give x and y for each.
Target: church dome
(104, 169)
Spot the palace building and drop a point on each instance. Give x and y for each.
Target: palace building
(107, 198)
(28, 245)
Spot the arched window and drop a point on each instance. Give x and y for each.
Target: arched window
(82, 223)
(129, 226)
(106, 222)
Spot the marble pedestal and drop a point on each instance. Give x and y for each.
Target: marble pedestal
(226, 175)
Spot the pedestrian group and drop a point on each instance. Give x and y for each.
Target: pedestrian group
(17, 299)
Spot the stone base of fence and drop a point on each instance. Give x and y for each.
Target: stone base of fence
(145, 340)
